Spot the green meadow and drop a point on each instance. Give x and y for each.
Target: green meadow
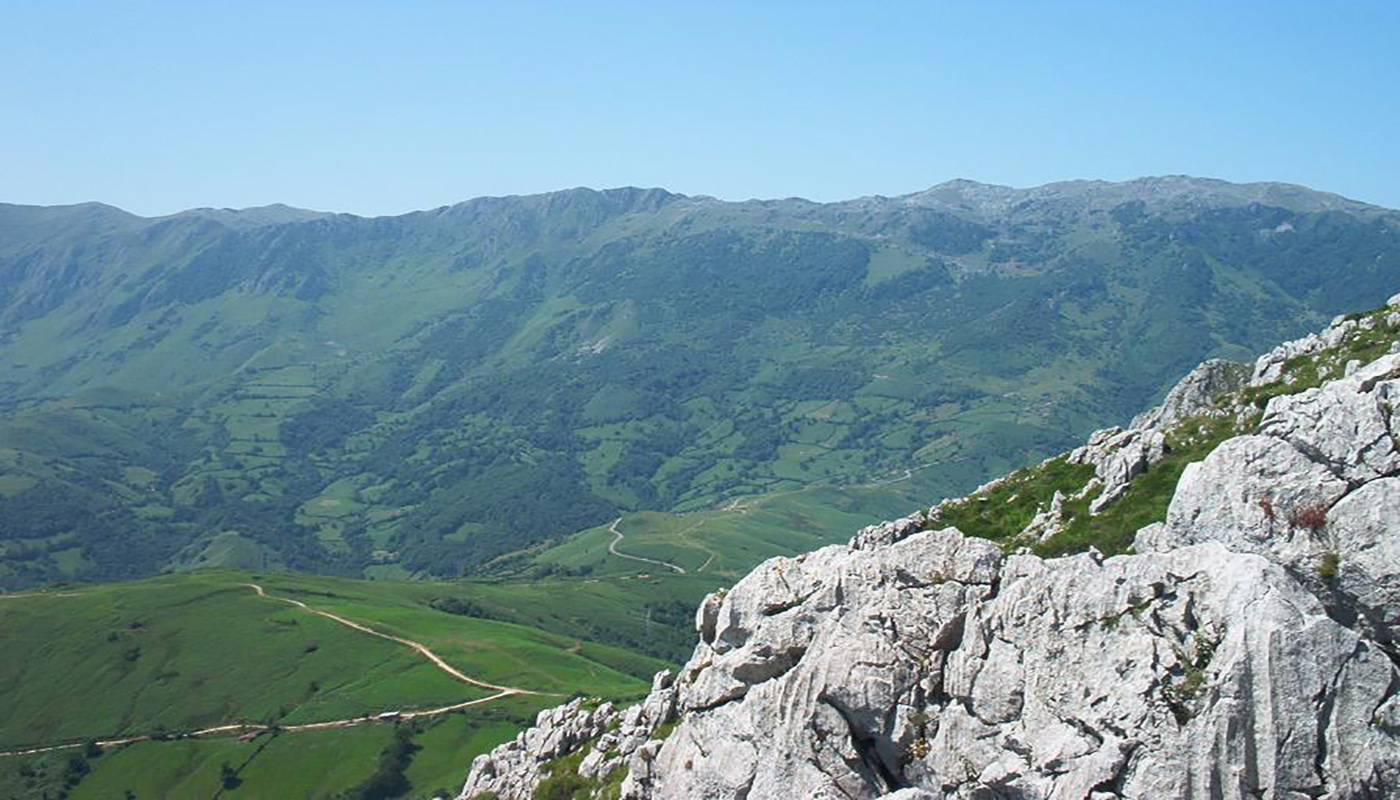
(167, 656)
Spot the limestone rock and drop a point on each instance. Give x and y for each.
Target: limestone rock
(815, 668)
(886, 533)
(1118, 456)
(1191, 674)
(514, 769)
(1048, 522)
(1364, 533)
(1248, 493)
(1196, 394)
(1347, 424)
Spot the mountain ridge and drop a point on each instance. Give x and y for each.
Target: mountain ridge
(964, 189)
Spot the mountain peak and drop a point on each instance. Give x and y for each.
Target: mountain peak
(1158, 192)
(903, 664)
(252, 217)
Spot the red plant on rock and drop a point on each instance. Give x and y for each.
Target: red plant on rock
(1267, 506)
(1312, 517)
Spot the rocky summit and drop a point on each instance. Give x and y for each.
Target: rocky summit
(1243, 646)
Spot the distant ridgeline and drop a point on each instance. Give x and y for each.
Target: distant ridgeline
(422, 394)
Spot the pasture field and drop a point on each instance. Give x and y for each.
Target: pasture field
(163, 657)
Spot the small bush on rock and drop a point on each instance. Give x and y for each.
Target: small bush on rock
(1331, 561)
(1309, 517)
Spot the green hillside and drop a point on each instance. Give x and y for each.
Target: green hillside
(425, 394)
(162, 658)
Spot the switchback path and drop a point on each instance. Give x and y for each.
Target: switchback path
(612, 548)
(255, 728)
(740, 506)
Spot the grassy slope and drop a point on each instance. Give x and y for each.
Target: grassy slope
(211, 651)
(1001, 512)
(308, 765)
(190, 653)
(725, 543)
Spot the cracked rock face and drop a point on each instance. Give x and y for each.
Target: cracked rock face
(1118, 456)
(1347, 425)
(1315, 487)
(1193, 674)
(1196, 673)
(808, 684)
(516, 767)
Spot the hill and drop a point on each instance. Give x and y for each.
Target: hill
(423, 394)
(274, 685)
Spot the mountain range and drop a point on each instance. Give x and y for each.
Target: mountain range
(423, 395)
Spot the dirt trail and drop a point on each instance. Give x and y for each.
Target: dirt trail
(252, 727)
(422, 649)
(742, 506)
(612, 548)
(39, 594)
(248, 727)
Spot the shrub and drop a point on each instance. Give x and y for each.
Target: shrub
(1311, 517)
(1327, 569)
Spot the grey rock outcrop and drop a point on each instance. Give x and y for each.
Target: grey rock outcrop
(1314, 492)
(1196, 394)
(1118, 456)
(808, 683)
(516, 767)
(1247, 650)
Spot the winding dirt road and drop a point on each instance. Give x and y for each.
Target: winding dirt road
(422, 649)
(740, 506)
(18, 595)
(246, 727)
(612, 548)
(249, 727)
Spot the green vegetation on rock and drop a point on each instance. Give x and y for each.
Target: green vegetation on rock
(1002, 510)
(1145, 502)
(1005, 508)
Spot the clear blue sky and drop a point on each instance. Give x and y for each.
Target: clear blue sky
(380, 108)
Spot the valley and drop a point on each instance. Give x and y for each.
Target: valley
(420, 396)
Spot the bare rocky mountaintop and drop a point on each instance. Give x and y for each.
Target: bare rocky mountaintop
(1243, 646)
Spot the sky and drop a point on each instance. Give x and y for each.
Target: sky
(384, 108)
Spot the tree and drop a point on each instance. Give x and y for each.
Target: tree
(229, 776)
